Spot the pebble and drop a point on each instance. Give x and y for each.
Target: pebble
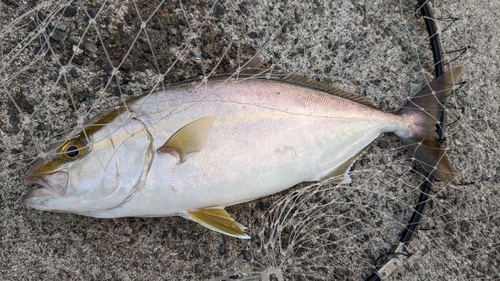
(414, 89)
(70, 11)
(89, 47)
(59, 35)
(73, 73)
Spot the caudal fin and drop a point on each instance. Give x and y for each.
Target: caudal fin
(422, 140)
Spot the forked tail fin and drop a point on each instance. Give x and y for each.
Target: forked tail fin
(422, 139)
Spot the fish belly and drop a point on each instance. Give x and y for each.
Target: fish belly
(248, 161)
(255, 148)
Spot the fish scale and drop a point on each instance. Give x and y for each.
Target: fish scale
(196, 148)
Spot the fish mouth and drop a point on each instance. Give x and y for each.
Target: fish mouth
(49, 186)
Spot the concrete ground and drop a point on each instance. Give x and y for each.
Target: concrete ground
(59, 67)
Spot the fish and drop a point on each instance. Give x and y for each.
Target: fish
(197, 147)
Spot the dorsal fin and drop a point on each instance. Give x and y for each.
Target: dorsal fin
(253, 70)
(279, 75)
(303, 81)
(255, 62)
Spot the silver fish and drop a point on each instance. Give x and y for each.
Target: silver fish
(196, 148)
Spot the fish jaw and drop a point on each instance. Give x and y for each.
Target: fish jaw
(50, 187)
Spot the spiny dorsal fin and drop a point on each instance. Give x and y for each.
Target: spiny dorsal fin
(219, 220)
(190, 138)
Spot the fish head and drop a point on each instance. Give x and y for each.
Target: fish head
(91, 173)
(51, 174)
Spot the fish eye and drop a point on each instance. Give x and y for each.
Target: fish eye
(72, 150)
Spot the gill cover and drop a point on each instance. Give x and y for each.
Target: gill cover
(100, 174)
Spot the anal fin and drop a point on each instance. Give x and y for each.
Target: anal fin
(341, 174)
(219, 220)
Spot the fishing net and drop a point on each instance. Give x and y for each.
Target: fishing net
(63, 62)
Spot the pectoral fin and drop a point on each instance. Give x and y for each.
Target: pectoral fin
(219, 220)
(190, 138)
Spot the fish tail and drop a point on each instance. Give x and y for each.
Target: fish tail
(421, 138)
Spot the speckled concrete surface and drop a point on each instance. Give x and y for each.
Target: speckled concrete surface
(377, 49)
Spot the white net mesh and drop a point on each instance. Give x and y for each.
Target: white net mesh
(62, 62)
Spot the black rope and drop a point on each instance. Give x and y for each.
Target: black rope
(425, 187)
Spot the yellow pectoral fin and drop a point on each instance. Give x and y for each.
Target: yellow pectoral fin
(190, 138)
(219, 220)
